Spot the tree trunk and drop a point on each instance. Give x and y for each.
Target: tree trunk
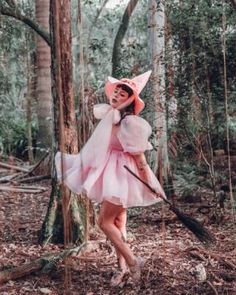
(84, 120)
(62, 201)
(43, 264)
(29, 110)
(43, 83)
(233, 3)
(171, 99)
(157, 47)
(116, 54)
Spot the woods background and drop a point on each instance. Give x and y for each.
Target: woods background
(54, 59)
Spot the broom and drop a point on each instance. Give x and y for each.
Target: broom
(192, 224)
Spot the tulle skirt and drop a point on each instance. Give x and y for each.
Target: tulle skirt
(110, 181)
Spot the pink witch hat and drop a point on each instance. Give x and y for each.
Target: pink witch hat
(136, 84)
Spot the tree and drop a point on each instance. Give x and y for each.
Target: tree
(61, 199)
(16, 44)
(199, 88)
(43, 82)
(64, 122)
(41, 74)
(10, 8)
(116, 53)
(159, 157)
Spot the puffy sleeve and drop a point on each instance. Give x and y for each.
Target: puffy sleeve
(133, 134)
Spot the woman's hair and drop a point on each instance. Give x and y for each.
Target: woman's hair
(129, 110)
(125, 88)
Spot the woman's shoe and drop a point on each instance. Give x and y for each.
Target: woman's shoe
(135, 270)
(117, 278)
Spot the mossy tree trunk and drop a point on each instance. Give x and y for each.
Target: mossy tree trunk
(116, 52)
(66, 217)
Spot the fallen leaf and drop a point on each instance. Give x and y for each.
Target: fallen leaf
(45, 290)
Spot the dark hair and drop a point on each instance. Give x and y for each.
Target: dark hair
(129, 110)
(125, 88)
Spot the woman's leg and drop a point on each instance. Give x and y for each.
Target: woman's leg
(120, 223)
(108, 214)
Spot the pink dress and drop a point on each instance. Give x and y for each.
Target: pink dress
(98, 170)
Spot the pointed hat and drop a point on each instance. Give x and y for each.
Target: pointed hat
(136, 84)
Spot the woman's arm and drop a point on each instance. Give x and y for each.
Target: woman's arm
(142, 166)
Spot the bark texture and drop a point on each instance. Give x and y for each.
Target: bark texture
(158, 112)
(116, 53)
(70, 228)
(43, 82)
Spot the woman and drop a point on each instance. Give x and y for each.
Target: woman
(120, 138)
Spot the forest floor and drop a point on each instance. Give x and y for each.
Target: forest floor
(176, 262)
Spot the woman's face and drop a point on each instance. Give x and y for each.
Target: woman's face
(118, 97)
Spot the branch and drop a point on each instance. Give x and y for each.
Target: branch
(33, 178)
(8, 177)
(18, 189)
(11, 3)
(44, 264)
(13, 167)
(233, 3)
(94, 22)
(29, 22)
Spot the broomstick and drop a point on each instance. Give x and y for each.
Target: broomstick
(192, 224)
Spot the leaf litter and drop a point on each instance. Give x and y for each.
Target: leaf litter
(176, 263)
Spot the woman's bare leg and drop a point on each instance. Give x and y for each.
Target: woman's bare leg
(120, 223)
(108, 214)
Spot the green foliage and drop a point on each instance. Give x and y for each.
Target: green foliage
(196, 31)
(186, 184)
(196, 28)
(15, 46)
(102, 34)
(13, 132)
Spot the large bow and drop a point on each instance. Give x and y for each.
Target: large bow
(95, 151)
(101, 110)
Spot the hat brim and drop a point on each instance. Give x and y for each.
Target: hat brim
(110, 87)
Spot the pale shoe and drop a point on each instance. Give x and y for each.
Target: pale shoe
(117, 278)
(135, 270)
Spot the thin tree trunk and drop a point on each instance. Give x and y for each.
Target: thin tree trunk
(29, 110)
(197, 108)
(233, 3)
(93, 24)
(172, 101)
(158, 90)
(226, 110)
(83, 132)
(116, 54)
(209, 117)
(43, 83)
(171, 108)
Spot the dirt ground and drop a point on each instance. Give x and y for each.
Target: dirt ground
(176, 263)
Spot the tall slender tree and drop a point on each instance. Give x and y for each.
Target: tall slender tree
(43, 81)
(62, 200)
(116, 55)
(159, 157)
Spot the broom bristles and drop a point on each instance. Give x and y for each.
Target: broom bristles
(192, 224)
(195, 227)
